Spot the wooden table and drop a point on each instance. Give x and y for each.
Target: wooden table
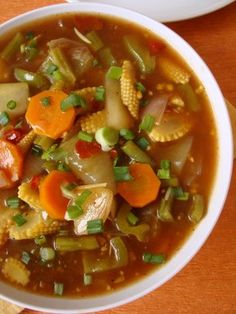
(207, 285)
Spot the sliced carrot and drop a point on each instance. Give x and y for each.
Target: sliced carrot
(49, 119)
(11, 164)
(144, 187)
(51, 197)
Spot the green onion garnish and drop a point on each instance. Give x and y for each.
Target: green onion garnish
(45, 101)
(107, 137)
(79, 201)
(11, 104)
(165, 164)
(51, 68)
(147, 123)
(73, 100)
(122, 174)
(139, 86)
(13, 202)
(4, 118)
(47, 254)
(40, 240)
(163, 174)
(19, 220)
(74, 211)
(132, 219)
(29, 35)
(100, 93)
(88, 279)
(25, 257)
(36, 150)
(127, 134)
(114, 72)
(84, 136)
(143, 143)
(61, 166)
(57, 75)
(180, 194)
(58, 288)
(95, 226)
(154, 258)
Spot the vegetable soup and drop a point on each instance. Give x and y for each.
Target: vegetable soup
(108, 150)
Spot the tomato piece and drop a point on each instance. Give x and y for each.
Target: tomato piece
(155, 46)
(86, 149)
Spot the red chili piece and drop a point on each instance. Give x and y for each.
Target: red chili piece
(86, 149)
(13, 136)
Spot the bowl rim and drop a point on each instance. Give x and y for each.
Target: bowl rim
(219, 191)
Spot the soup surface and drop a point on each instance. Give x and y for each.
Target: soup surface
(107, 154)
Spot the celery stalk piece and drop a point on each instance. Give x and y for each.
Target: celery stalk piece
(197, 208)
(189, 96)
(135, 153)
(13, 47)
(36, 80)
(96, 42)
(165, 206)
(70, 244)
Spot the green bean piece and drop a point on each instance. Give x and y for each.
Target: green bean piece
(140, 231)
(13, 47)
(61, 62)
(140, 53)
(197, 208)
(135, 153)
(189, 96)
(106, 57)
(36, 80)
(118, 259)
(165, 206)
(71, 244)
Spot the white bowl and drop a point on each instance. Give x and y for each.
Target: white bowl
(219, 191)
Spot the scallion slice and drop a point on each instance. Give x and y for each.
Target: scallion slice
(88, 279)
(62, 166)
(180, 194)
(143, 143)
(114, 72)
(19, 220)
(4, 118)
(13, 202)
(95, 226)
(122, 174)
(100, 93)
(163, 174)
(165, 164)
(47, 254)
(58, 288)
(36, 150)
(127, 134)
(107, 137)
(79, 201)
(51, 68)
(40, 240)
(25, 257)
(45, 101)
(147, 123)
(132, 219)
(139, 86)
(11, 104)
(153, 258)
(73, 100)
(84, 136)
(74, 211)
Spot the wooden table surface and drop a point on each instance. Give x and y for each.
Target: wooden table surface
(207, 285)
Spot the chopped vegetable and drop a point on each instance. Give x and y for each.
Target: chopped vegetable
(73, 100)
(49, 121)
(40, 240)
(190, 98)
(87, 279)
(87, 149)
(132, 219)
(143, 143)
(13, 202)
(4, 118)
(74, 211)
(96, 42)
(154, 258)
(144, 187)
(25, 257)
(165, 206)
(11, 104)
(100, 93)
(92, 122)
(50, 193)
(106, 57)
(127, 134)
(30, 196)
(16, 271)
(147, 123)
(35, 80)
(19, 220)
(45, 101)
(84, 136)
(122, 174)
(71, 244)
(135, 153)
(26, 142)
(114, 73)
(58, 288)
(197, 208)
(47, 254)
(13, 47)
(107, 137)
(95, 226)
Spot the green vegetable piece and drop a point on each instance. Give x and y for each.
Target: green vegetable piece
(43, 141)
(73, 100)
(58, 288)
(140, 231)
(88, 279)
(163, 174)
(36, 80)
(11, 104)
(197, 208)
(147, 123)
(62, 166)
(46, 101)
(106, 57)
(95, 226)
(4, 118)
(127, 134)
(172, 181)
(13, 47)
(96, 42)
(114, 73)
(180, 194)
(135, 153)
(19, 220)
(25, 257)
(165, 206)
(74, 211)
(143, 143)
(154, 258)
(132, 219)
(122, 174)
(189, 96)
(100, 93)
(13, 202)
(139, 86)
(118, 259)
(47, 254)
(36, 150)
(70, 244)
(40, 240)
(84, 136)
(107, 137)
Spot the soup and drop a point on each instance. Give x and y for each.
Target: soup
(108, 152)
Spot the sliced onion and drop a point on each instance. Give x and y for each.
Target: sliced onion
(193, 169)
(33, 165)
(156, 107)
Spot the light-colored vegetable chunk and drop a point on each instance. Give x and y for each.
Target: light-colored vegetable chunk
(93, 122)
(30, 196)
(16, 271)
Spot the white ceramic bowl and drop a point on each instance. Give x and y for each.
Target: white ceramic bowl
(219, 191)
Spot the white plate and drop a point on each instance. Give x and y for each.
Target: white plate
(167, 10)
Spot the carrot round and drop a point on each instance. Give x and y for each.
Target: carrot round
(11, 164)
(51, 197)
(45, 116)
(144, 187)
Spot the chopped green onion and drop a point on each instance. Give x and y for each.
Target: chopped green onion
(122, 174)
(25, 257)
(62, 167)
(57, 75)
(74, 211)
(154, 258)
(135, 153)
(132, 219)
(47, 254)
(36, 150)
(96, 42)
(46, 101)
(147, 123)
(139, 86)
(36, 80)
(58, 288)
(165, 164)
(51, 68)
(4, 118)
(40, 240)
(73, 100)
(197, 208)
(84, 136)
(144, 102)
(13, 202)
(127, 134)
(107, 137)
(88, 279)
(163, 174)
(114, 73)
(172, 181)
(19, 220)
(143, 143)
(180, 194)
(100, 93)
(95, 226)
(29, 35)
(64, 243)
(79, 201)
(11, 104)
